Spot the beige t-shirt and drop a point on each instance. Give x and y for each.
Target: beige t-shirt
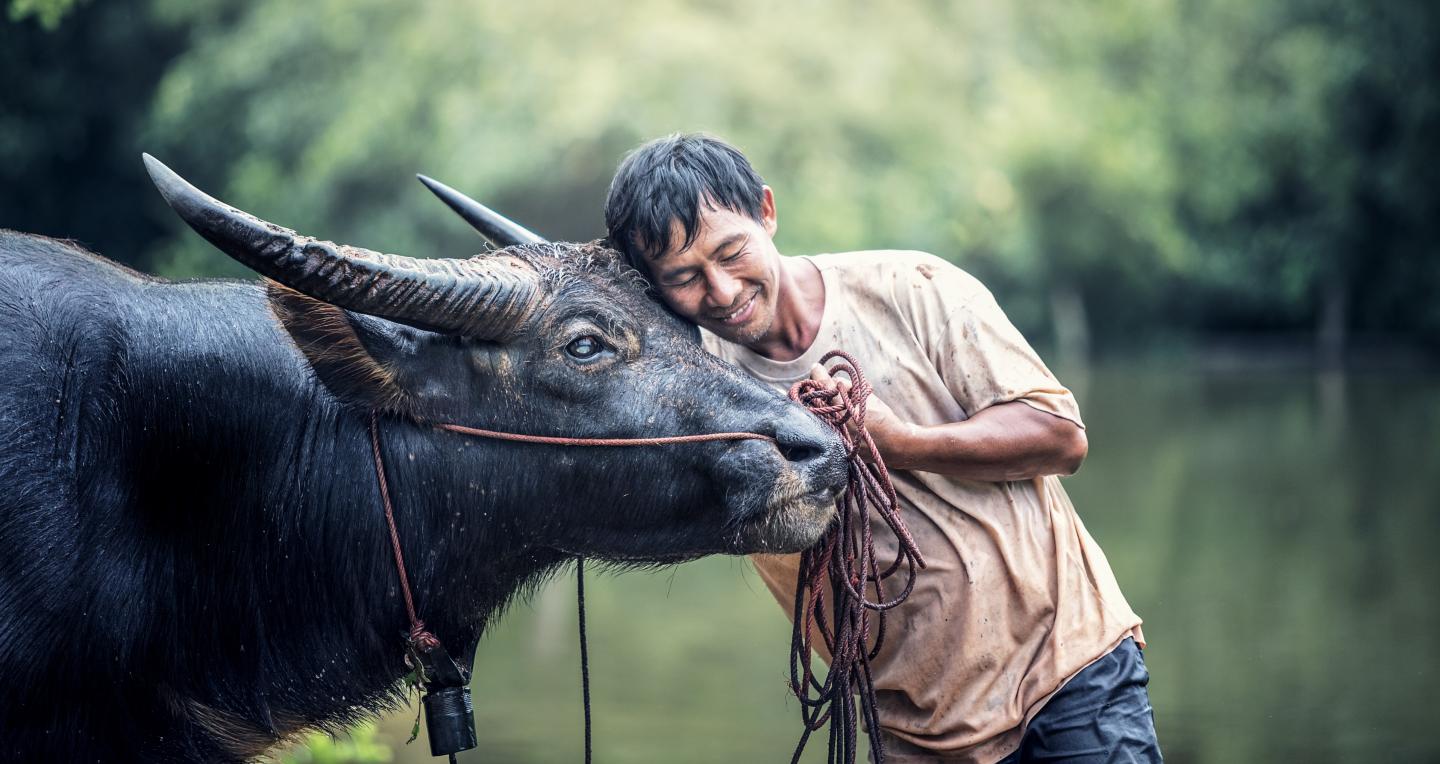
(1017, 597)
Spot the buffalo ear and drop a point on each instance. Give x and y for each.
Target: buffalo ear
(340, 350)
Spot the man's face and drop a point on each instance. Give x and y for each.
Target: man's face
(726, 280)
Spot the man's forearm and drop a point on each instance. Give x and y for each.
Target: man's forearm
(1008, 441)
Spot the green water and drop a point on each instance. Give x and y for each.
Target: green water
(1276, 530)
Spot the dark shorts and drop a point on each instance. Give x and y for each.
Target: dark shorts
(1101, 715)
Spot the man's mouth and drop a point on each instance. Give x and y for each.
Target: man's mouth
(741, 314)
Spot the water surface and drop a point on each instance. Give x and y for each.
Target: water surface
(1277, 531)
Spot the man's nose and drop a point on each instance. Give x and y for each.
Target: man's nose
(724, 288)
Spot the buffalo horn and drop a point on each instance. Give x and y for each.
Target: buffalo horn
(483, 297)
(496, 228)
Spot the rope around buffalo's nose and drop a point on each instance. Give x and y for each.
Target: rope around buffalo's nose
(845, 556)
(845, 560)
(420, 638)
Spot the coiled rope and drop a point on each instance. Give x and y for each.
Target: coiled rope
(843, 559)
(420, 638)
(844, 562)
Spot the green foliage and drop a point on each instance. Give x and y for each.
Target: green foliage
(47, 12)
(360, 746)
(1168, 166)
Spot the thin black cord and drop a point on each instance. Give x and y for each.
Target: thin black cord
(584, 649)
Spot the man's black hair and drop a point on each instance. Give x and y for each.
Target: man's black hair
(668, 179)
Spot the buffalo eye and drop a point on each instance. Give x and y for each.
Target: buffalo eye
(585, 348)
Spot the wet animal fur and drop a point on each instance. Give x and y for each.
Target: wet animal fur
(193, 564)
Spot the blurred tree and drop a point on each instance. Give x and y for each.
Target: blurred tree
(72, 103)
(47, 12)
(1304, 140)
(1120, 172)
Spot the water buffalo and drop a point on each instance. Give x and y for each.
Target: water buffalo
(194, 562)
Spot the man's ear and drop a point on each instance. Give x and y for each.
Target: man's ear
(352, 355)
(769, 219)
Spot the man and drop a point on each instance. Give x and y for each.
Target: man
(1016, 643)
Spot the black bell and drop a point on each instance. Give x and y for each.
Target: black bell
(450, 720)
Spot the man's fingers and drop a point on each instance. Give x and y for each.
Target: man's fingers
(820, 375)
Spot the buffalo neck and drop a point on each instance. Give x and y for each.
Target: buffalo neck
(277, 555)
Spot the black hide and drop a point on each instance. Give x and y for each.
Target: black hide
(193, 557)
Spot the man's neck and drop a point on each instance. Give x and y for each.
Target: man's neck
(799, 306)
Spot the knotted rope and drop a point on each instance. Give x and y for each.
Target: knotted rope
(420, 639)
(844, 559)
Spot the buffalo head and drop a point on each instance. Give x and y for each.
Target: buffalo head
(546, 339)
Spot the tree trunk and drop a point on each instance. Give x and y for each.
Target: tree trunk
(1332, 323)
(1072, 325)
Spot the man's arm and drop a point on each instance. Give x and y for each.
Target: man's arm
(1007, 441)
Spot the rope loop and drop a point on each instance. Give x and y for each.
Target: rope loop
(421, 638)
(844, 563)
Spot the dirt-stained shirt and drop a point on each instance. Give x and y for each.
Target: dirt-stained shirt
(1017, 597)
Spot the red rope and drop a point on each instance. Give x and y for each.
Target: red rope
(845, 560)
(420, 637)
(550, 440)
(844, 556)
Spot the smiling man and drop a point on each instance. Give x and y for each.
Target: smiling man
(1016, 644)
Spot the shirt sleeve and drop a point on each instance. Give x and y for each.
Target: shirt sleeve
(982, 358)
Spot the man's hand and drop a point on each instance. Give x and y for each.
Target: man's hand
(1006, 441)
(885, 428)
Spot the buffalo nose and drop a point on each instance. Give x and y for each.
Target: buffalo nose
(800, 451)
(805, 441)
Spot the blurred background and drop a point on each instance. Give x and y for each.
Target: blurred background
(1217, 220)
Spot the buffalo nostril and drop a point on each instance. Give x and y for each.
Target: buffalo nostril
(800, 452)
(805, 442)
